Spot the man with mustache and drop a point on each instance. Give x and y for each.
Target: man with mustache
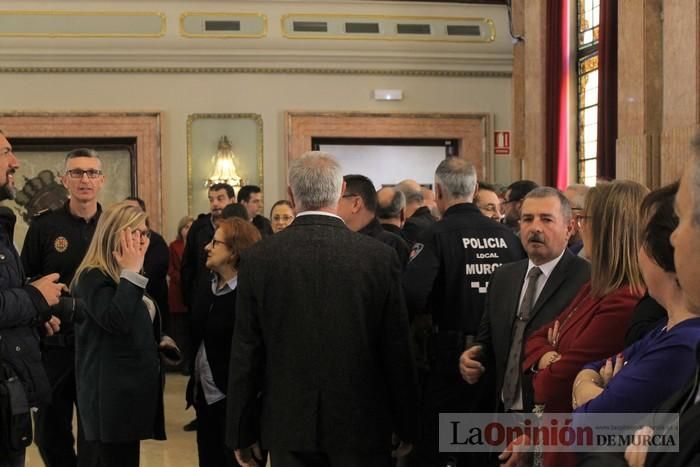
(546, 282)
(21, 307)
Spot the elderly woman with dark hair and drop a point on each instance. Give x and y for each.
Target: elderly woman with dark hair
(629, 381)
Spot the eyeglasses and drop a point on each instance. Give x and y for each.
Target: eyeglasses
(6, 152)
(215, 242)
(78, 173)
(144, 233)
(282, 218)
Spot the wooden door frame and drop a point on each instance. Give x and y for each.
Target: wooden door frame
(471, 130)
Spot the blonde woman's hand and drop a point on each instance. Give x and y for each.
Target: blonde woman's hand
(131, 250)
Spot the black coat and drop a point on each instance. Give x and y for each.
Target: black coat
(213, 325)
(419, 222)
(322, 331)
(194, 272)
(500, 310)
(118, 378)
(263, 224)
(375, 230)
(155, 268)
(21, 307)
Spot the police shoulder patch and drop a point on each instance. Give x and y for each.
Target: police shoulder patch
(415, 251)
(60, 244)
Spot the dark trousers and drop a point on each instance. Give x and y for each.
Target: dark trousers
(53, 423)
(211, 433)
(14, 460)
(99, 454)
(328, 459)
(444, 392)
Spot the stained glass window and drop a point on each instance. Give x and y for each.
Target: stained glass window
(587, 71)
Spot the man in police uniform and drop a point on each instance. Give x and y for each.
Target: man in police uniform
(57, 242)
(448, 276)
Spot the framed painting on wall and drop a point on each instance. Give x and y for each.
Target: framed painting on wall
(38, 180)
(128, 144)
(214, 136)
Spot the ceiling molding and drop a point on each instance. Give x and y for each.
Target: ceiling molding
(269, 70)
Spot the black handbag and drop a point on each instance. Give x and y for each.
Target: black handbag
(15, 414)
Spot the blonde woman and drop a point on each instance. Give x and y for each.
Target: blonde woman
(119, 382)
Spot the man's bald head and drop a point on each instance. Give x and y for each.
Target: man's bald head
(413, 192)
(391, 205)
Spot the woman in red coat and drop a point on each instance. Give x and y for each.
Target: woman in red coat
(593, 326)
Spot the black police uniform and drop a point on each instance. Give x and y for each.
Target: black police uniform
(57, 242)
(417, 224)
(448, 276)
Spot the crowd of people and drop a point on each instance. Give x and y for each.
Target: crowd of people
(337, 331)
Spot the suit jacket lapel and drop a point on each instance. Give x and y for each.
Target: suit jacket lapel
(514, 299)
(555, 279)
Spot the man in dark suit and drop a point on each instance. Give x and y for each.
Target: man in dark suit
(551, 277)
(321, 369)
(358, 207)
(250, 197)
(195, 274)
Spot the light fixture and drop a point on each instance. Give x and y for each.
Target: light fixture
(224, 166)
(387, 94)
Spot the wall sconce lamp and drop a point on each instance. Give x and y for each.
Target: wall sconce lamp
(224, 166)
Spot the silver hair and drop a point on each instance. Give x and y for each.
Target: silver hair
(393, 209)
(410, 193)
(457, 177)
(549, 192)
(695, 179)
(316, 180)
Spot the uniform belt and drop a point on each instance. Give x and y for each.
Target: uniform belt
(59, 340)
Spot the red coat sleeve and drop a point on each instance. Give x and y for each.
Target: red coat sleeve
(537, 344)
(598, 333)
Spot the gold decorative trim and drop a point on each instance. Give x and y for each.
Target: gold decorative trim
(161, 33)
(322, 36)
(268, 70)
(184, 33)
(257, 118)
